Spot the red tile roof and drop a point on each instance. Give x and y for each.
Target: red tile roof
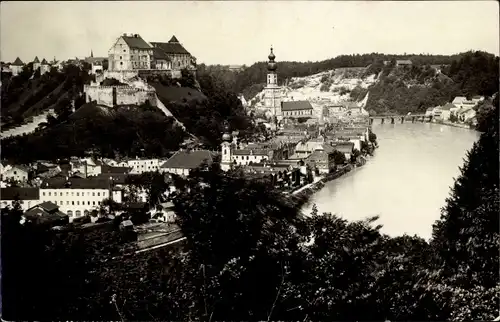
(188, 159)
(296, 106)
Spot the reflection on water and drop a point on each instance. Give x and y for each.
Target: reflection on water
(406, 182)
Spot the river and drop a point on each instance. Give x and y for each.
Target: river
(407, 180)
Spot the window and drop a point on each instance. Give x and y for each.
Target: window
(49, 193)
(93, 194)
(98, 194)
(78, 194)
(67, 193)
(124, 50)
(121, 63)
(73, 203)
(72, 193)
(99, 202)
(15, 172)
(78, 203)
(43, 194)
(88, 203)
(93, 203)
(120, 57)
(67, 203)
(60, 194)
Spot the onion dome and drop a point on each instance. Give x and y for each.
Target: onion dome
(227, 135)
(271, 65)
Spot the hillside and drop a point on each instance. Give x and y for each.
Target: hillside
(203, 113)
(30, 94)
(105, 131)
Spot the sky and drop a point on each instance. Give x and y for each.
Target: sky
(241, 32)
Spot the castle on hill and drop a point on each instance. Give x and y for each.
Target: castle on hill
(130, 60)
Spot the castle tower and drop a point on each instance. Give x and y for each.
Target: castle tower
(272, 92)
(226, 161)
(91, 53)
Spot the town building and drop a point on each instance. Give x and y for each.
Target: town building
(44, 67)
(183, 162)
(178, 57)
(296, 109)
(28, 197)
(17, 173)
(321, 160)
(46, 213)
(16, 67)
(400, 63)
(36, 63)
(446, 111)
(77, 196)
(130, 52)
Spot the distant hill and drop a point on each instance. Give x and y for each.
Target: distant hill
(392, 89)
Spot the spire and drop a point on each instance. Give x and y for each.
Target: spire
(91, 53)
(271, 65)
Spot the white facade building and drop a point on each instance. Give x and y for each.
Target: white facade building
(77, 197)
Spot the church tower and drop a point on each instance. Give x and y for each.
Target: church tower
(226, 161)
(272, 92)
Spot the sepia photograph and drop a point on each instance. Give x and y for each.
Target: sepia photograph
(250, 161)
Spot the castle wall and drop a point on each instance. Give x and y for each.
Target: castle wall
(125, 95)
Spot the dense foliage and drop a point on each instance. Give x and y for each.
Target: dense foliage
(108, 132)
(30, 93)
(205, 117)
(403, 90)
(250, 254)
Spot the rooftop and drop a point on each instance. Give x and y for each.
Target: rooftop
(188, 159)
(296, 106)
(136, 42)
(10, 193)
(171, 47)
(76, 183)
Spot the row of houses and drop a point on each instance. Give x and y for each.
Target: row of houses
(45, 66)
(461, 107)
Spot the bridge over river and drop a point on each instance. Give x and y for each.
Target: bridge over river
(401, 118)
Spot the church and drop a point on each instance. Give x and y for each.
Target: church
(275, 103)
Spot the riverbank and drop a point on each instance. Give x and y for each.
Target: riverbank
(460, 125)
(319, 182)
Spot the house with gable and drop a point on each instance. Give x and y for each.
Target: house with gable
(446, 111)
(177, 55)
(44, 67)
(130, 52)
(183, 162)
(17, 173)
(16, 67)
(36, 63)
(296, 109)
(46, 213)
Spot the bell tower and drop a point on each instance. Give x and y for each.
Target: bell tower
(272, 92)
(226, 159)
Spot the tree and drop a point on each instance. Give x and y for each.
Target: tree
(372, 137)
(466, 236)
(339, 157)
